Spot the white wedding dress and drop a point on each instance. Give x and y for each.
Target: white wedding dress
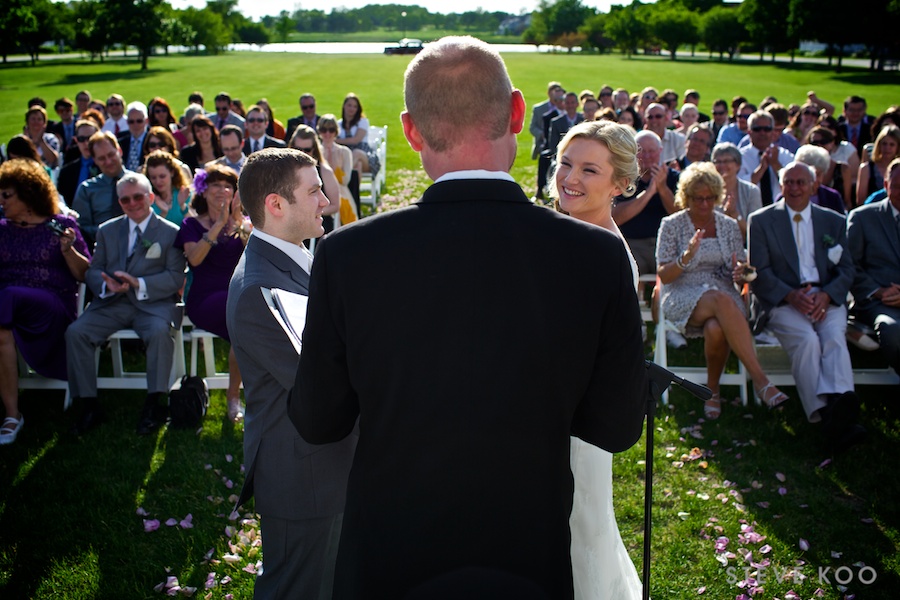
(601, 567)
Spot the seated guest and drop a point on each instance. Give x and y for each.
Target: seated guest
(160, 115)
(206, 147)
(338, 158)
(96, 200)
(638, 216)
(21, 146)
(213, 242)
(353, 132)
(741, 197)
(780, 120)
(184, 136)
(762, 159)
(697, 146)
(135, 276)
(655, 120)
(688, 116)
(44, 258)
(804, 271)
(628, 116)
(76, 172)
(735, 131)
(561, 124)
(132, 140)
(700, 253)
(64, 129)
(871, 172)
(225, 114)
(256, 139)
(116, 121)
(170, 187)
(803, 121)
(306, 117)
(159, 138)
(275, 128)
(232, 140)
(819, 159)
(872, 235)
(47, 144)
(844, 165)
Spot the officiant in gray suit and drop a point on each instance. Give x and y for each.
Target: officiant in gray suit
(299, 487)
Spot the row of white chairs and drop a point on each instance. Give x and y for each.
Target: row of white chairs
(371, 185)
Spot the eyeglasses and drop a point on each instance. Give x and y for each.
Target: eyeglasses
(656, 116)
(743, 117)
(307, 106)
(605, 94)
(221, 185)
(723, 161)
(719, 113)
(222, 109)
(810, 113)
(7, 195)
(758, 128)
(114, 103)
(134, 198)
(135, 121)
(704, 199)
(256, 120)
(152, 145)
(302, 149)
(328, 130)
(82, 138)
(160, 109)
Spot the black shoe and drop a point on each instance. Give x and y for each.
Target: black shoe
(147, 424)
(852, 435)
(841, 412)
(89, 419)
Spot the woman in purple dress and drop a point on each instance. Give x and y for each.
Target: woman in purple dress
(213, 242)
(43, 257)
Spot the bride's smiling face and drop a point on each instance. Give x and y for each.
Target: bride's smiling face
(584, 179)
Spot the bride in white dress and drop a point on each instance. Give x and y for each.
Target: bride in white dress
(597, 161)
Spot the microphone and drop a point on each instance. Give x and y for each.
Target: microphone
(663, 377)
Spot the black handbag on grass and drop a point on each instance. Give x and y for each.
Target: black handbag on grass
(188, 404)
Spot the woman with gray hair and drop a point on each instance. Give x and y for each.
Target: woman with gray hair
(699, 252)
(819, 159)
(741, 197)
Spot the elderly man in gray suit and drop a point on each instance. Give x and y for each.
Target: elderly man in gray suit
(299, 487)
(804, 274)
(135, 275)
(873, 232)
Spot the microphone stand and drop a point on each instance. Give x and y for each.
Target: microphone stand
(660, 380)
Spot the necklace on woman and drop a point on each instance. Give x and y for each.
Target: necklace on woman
(705, 224)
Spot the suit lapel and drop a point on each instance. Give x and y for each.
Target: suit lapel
(125, 229)
(785, 238)
(887, 222)
(280, 261)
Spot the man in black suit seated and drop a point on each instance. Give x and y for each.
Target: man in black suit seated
(76, 172)
(463, 455)
(855, 124)
(307, 116)
(257, 139)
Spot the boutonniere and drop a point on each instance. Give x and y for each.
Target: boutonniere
(833, 249)
(153, 249)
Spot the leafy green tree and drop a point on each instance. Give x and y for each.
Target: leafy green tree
(626, 27)
(48, 18)
(566, 16)
(17, 20)
(722, 31)
(594, 30)
(674, 26)
(90, 35)
(284, 25)
(208, 29)
(253, 33)
(766, 24)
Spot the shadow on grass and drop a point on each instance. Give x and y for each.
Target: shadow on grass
(789, 485)
(68, 521)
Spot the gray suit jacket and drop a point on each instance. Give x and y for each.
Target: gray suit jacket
(233, 119)
(537, 127)
(290, 478)
(774, 254)
(875, 248)
(163, 274)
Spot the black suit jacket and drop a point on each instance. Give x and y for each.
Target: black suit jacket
(470, 354)
(268, 142)
(292, 125)
(865, 132)
(67, 181)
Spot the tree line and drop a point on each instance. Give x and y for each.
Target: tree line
(764, 26)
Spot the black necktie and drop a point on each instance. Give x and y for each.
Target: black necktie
(765, 185)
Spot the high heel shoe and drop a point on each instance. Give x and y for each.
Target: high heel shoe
(712, 408)
(771, 396)
(235, 409)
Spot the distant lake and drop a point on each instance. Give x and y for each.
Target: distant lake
(361, 47)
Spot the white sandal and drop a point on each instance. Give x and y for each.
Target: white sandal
(10, 429)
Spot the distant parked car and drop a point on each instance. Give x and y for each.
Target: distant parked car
(406, 46)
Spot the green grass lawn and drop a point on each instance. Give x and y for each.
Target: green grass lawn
(69, 527)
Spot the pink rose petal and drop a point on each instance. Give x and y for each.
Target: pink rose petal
(151, 525)
(172, 522)
(187, 522)
(765, 549)
(701, 589)
(824, 463)
(780, 477)
(782, 491)
(804, 545)
(228, 458)
(141, 512)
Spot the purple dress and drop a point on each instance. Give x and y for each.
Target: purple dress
(205, 303)
(37, 293)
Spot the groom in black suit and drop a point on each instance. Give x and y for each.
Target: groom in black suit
(299, 488)
(483, 332)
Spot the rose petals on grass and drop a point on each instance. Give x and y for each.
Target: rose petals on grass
(187, 522)
(150, 525)
(780, 477)
(172, 522)
(804, 545)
